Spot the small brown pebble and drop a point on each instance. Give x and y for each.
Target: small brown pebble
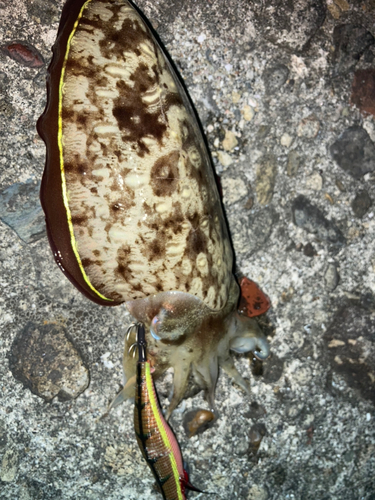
(23, 53)
(256, 366)
(363, 90)
(256, 411)
(310, 433)
(309, 250)
(340, 185)
(47, 362)
(256, 434)
(197, 421)
(329, 198)
(249, 203)
(287, 295)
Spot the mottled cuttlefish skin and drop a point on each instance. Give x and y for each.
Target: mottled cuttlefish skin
(132, 209)
(142, 206)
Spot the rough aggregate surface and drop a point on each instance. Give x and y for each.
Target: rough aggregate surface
(272, 82)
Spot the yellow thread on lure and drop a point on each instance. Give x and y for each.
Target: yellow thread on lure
(156, 412)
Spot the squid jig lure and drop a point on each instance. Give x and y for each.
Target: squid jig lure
(155, 438)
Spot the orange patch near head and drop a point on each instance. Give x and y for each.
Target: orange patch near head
(253, 301)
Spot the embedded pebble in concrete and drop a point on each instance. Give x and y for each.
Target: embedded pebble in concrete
(257, 492)
(24, 53)
(255, 411)
(308, 127)
(4, 80)
(236, 97)
(354, 152)
(20, 209)
(361, 204)
(274, 78)
(294, 161)
(337, 7)
(256, 434)
(350, 41)
(363, 90)
(331, 276)
(315, 181)
(224, 158)
(265, 179)
(286, 140)
(197, 421)
(311, 219)
(273, 368)
(6, 111)
(230, 141)
(3, 434)
(251, 232)
(9, 465)
(351, 348)
(233, 189)
(309, 250)
(248, 112)
(46, 361)
(294, 26)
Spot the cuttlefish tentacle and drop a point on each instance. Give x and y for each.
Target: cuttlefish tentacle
(228, 365)
(180, 379)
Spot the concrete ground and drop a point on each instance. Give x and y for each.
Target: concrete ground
(286, 94)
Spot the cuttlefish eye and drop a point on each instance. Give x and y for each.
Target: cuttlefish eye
(155, 326)
(167, 325)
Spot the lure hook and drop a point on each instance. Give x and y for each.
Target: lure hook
(133, 348)
(140, 342)
(130, 330)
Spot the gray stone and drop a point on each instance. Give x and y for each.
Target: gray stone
(361, 204)
(9, 465)
(265, 179)
(350, 344)
(257, 492)
(274, 78)
(308, 127)
(312, 220)
(6, 111)
(293, 164)
(291, 24)
(354, 152)
(350, 41)
(331, 276)
(46, 361)
(273, 368)
(20, 209)
(250, 233)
